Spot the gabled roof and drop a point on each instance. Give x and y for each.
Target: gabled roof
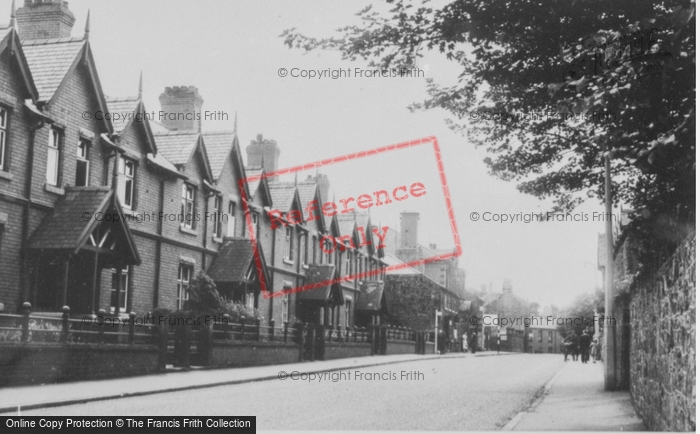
(219, 146)
(52, 60)
(177, 146)
(10, 39)
(258, 182)
(63, 230)
(319, 286)
(283, 195)
(133, 105)
(346, 225)
(233, 261)
(122, 106)
(370, 297)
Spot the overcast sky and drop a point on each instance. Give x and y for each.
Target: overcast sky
(231, 51)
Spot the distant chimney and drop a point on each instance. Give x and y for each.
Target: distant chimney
(181, 107)
(45, 19)
(409, 230)
(263, 153)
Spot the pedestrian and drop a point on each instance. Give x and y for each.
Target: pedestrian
(594, 350)
(585, 346)
(570, 346)
(472, 343)
(465, 343)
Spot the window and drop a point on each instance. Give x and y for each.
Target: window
(250, 300)
(328, 252)
(124, 289)
(126, 170)
(231, 225)
(53, 157)
(285, 305)
(184, 274)
(348, 254)
(304, 246)
(82, 165)
(539, 336)
(218, 223)
(314, 248)
(288, 243)
(3, 137)
(347, 313)
(254, 219)
(187, 208)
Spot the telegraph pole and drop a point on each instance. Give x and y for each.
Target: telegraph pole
(609, 324)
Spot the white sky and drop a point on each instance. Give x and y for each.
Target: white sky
(232, 51)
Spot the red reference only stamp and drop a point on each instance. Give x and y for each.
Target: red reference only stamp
(314, 210)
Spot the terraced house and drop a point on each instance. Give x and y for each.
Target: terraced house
(121, 216)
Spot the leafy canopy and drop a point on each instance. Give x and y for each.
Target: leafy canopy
(623, 73)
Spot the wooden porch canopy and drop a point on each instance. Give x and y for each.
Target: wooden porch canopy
(235, 263)
(323, 286)
(372, 298)
(87, 232)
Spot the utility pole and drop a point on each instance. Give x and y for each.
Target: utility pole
(608, 324)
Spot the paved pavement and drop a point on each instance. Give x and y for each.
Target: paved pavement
(575, 401)
(39, 396)
(459, 393)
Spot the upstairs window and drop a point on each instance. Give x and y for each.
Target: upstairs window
(54, 156)
(304, 246)
(288, 243)
(187, 208)
(82, 165)
(314, 248)
(231, 224)
(218, 223)
(126, 172)
(3, 138)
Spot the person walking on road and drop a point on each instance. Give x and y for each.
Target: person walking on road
(585, 346)
(472, 343)
(571, 346)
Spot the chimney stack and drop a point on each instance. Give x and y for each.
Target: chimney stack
(263, 153)
(409, 230)
(182, 108)
(507, 286)
(47, 19)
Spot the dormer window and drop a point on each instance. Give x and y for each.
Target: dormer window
(187, 209)
(288, 243)
(3, 138)
(126, 171)
(82, 164)
(53, 157)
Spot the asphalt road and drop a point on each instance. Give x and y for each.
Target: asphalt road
(470, 393)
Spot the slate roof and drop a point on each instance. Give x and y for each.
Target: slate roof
(318, 276)
(121, 106)
(282, 195)
(370, 297)
(219, 147)
(233, 261)
(49, 61)
(177, 146)
(346, 224)
(160, 160)
(253, 184)
(393, 260)
(64, 228)
(491, 297)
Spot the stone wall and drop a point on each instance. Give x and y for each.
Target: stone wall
(662, 347)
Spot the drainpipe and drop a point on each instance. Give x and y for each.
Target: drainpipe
(159, 242)
(27, 208)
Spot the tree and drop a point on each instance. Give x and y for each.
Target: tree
(580, 312)
(203, 295)
(550, 87)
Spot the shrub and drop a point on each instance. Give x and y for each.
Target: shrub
(240, 313)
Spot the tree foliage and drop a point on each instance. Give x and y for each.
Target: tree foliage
(549, 87)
